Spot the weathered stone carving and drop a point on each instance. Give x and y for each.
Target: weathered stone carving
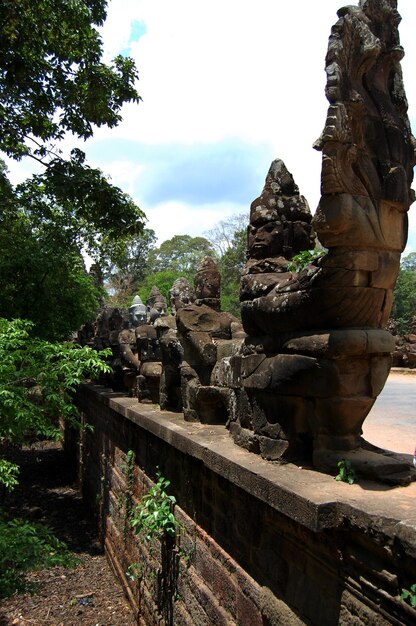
(148, 349)
(170, 394)
(317, 355)
(156, 303)
(106, 329)
(206, 335)
(280, 227)
(180, 294)
(207, 284)
(130, 359)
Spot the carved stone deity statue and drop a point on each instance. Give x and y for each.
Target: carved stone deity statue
(128, 346)
(180, 294)
(280, 227)
(208, 284)
(170, 396)
(317, 354)
(156, 303)
(207, 335)
(148, 349)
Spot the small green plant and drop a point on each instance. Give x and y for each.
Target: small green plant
(25, 547)
(134, 571)
(186, 555)
(8, 474)
(346, 472)
(153, 518)
(38, 380)
(303, 259)
(409, 596)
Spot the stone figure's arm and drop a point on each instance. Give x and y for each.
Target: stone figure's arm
(202, 347)
(127, 353)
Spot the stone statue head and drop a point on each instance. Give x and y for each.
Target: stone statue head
(137, 312)
(157, 301)
(279, 217)
(180, 294)
(207, 280)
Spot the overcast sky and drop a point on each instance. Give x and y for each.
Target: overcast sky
(227, 86)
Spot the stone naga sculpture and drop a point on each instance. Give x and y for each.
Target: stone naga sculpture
(317, 354)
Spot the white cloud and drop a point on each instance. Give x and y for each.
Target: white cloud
(124, 174)
(211, 71)
(255, 71)
(177, 218)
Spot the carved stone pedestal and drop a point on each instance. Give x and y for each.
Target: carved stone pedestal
(305, 397)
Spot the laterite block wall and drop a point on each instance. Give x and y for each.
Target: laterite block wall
(257, 543)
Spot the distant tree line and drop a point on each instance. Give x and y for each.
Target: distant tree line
(140, 264)
(404, 306)
(53, 82)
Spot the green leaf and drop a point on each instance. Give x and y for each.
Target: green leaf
(25, 547)
(34, 380)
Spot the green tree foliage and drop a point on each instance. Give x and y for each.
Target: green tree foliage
(25, 547)
(42, 278)
(77, 200)
(128, 266)
(163, 280)
(404, 305)
(230, 266)
(37, 380)
(52, 81)
(408, 262)
(182, 254)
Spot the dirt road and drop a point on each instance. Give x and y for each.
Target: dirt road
(391, 423)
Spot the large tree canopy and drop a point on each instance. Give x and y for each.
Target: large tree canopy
(129, 266)
(404, 305)
(182, 254)
(231, 265)
(53, 81)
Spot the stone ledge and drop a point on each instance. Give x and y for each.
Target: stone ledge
(308, 497)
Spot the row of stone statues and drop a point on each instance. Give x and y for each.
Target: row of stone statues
(166, 358)
(301, 373)
(404, 353)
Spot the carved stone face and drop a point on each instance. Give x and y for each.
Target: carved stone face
(138, 315)
(207, 279)
(137, 312)
(265, 240)
(181, 294)
(160, 307)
